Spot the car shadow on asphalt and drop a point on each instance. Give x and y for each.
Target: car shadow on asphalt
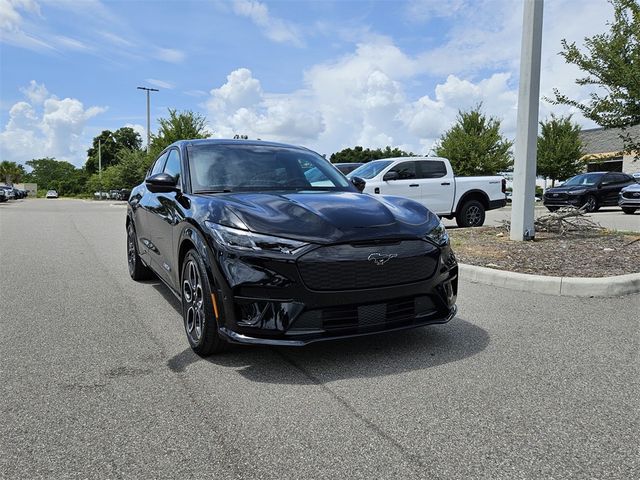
(363, 357)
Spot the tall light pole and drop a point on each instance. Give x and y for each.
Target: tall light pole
(148, 90)
(100, 160)
(524, 169)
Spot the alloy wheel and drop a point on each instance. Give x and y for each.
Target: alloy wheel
(192, 296)
(473, 215)
(131, 248)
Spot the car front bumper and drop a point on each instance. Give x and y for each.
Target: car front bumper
(273, 303)
(629, 202)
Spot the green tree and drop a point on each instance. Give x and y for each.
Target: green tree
(50, 173)
(559, 148)
(612, 63)
(179, 126)
(362, 155)
(474, 145)
(125, 138)
(127, 173)
(11, 172)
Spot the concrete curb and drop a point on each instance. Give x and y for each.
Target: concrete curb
(560, 286)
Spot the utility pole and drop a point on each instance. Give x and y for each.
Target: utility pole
(524, 170)
(100, 166)
(148, 113)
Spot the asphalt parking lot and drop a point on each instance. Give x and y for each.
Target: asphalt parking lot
(97, 380)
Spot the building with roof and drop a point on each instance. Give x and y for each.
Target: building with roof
(605, 152)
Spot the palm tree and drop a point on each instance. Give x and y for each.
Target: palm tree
(11, 172)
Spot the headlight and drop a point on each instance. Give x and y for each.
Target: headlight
(246, 241)
(439, 235)
(577, 192)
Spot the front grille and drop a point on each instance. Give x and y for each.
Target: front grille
(353, 267)
(395, 313)
(631, 195)
(556, 196)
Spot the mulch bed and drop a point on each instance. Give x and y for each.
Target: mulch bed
(597, 254)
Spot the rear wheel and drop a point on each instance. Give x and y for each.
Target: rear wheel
(137, 269)
(198, 312)
(591, 204)
(471, 214)
(629, 210)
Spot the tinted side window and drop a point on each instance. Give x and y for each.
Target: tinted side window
(431, 169)
(159, 165)
(173, 164)
(406, 170)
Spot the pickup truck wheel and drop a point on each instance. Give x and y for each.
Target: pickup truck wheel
(198, 311)
(471, 214)
(629, 210)
(137, 270)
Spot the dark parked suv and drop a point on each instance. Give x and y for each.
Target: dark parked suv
(267, 243)
(591, 190)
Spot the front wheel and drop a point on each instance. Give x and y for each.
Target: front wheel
(198, 312)
(629, 210)
(591, 204)
(471, 214)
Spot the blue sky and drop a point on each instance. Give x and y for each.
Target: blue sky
(323, 74)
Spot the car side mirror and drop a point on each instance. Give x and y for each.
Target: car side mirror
(359, 183)
(162, 183)
(391, 176)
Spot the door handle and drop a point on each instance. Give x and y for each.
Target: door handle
(445, 183)
(414, 185)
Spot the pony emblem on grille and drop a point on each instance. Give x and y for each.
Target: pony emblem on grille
(381, 258)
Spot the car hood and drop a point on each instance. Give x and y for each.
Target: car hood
(323, 217)
(634, 187)
(568, 188)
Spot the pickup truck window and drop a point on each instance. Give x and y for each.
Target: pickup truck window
(406, 170)
(431, 169)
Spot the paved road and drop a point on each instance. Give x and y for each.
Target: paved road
(609, 217)
(96, 380)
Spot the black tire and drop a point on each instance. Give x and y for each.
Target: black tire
(629, 210)
(591, 204)
(137, 269)
(552, 209)
(198, 313)
(471, 214)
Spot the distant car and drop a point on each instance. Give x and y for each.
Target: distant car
(346, 167)
(52, 194)
(629, 198)
(114, 194)
(509, 197)
(591, 190)
(9, 192)
(125, 193)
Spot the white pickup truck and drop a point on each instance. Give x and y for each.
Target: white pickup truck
(430, 181)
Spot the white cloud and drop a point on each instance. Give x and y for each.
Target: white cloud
(11, 24)
(46, 127)
(274, 28)
(170, 55)
(36, 93)
(160, 83)
(139, 129)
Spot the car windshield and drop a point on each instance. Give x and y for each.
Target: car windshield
(228, 168)
(371, 169)
(586, 179)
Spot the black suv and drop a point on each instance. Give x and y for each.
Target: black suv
(266, 243)
(591, 190)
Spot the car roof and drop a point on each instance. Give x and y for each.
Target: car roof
(224, 141)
